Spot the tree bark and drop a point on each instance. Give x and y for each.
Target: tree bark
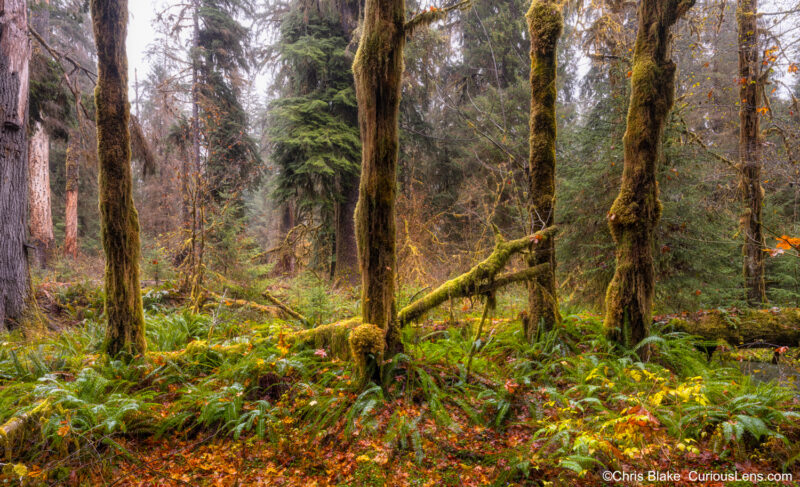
(14, 79)
(378, 70)
(41, 219)
(71, 211)
(119, 219)
(637, 209)
(750, 152)
(545, 24)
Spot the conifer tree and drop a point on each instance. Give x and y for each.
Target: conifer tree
(119, 219)
(636, 211)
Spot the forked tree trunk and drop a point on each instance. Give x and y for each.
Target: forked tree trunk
(378, 70)
(41, 219)
(14, 78)
(119, 220)
(750, 153)
(545, 24)
(636, 211)
(71, 211)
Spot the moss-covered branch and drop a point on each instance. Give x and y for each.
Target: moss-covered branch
(14, 426)
(433, 14)
(481, 279)
(287, 310)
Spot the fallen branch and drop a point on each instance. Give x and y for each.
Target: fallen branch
(286, 309)
(481, 279)
(244, 303)
(13, 426)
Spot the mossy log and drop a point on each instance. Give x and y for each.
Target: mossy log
(272, 310)
(332, 336)
(14, 426)
(287, 310)
(749, 329)
(482, 278)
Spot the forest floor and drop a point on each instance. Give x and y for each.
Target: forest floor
(225, 397)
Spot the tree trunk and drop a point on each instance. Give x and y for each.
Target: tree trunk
(286, 258)
(545, 24)
(119, 219)
(71, 213)
(636, 211)
(750, 153)
(378, 70)
(41, 219)
(14, 78)
(346, 258)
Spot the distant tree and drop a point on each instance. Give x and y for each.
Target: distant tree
(119, 219)
(313, 132)
(14, 55)
(545, 24)
(636, 211)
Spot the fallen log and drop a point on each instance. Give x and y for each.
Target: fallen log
(751, 328)
(481, 279)
(275, 311)
(289, 311)
(15, 425)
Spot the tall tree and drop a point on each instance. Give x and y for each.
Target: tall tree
(14, 54)
(119, 219)
(71, 190)
(545, 24)
(636, 211)
(41, 218)
(750, 90)
(314, 130)
(378, 69)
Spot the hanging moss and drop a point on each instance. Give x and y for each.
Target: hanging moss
(545, 24)
(378, 70)
(636, 211)
(119, 219)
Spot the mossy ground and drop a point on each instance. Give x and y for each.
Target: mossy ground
(223, 397)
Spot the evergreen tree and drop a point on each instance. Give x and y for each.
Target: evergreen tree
(313, 128)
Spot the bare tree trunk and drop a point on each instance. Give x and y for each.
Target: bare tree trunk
(41, 219)
(545, 24)
(378, 70)
(14, 79)
(119, 219)
(637, 210)
(750, 152)
(71, 213)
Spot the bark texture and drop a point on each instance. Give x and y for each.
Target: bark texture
(71, 210)
(750, 152)
(14, 78)
(41, 218)
(119, 220)
(545, 24)
(378, 70)
(637, 209)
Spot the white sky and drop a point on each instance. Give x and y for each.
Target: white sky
(140, 34)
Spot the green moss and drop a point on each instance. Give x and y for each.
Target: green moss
(119, 219)
(332, 336)
(777, 328)
(367, 343)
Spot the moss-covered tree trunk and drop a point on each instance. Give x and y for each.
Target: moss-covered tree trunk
(346, 249)
(378, 70)
(750, 152)
(71, 207)
(545, 24)
(14, 78)
(637, 209)
(119, 220)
